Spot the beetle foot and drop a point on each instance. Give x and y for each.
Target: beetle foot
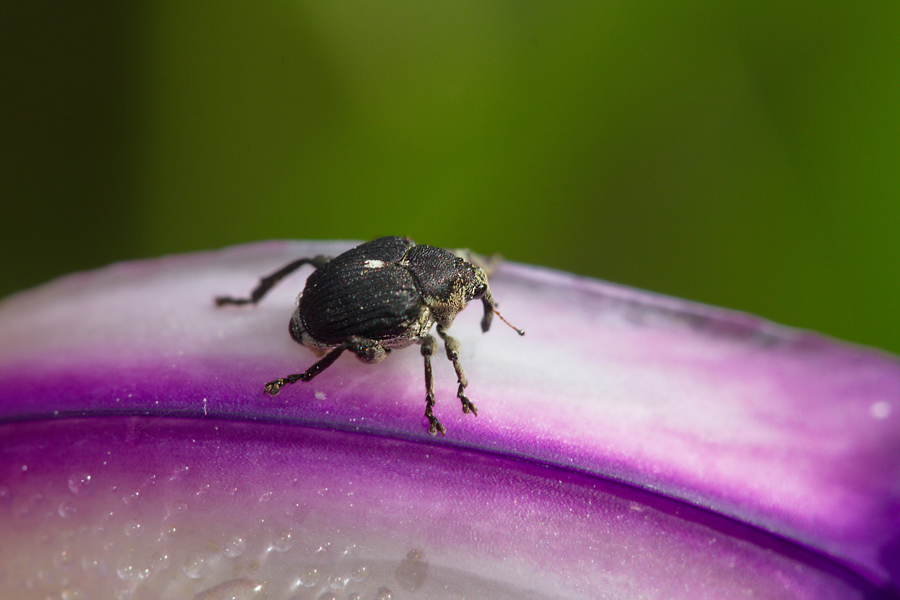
(467, 404)
(273, 387)
(434, 426)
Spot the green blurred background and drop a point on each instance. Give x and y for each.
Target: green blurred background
(743, 153)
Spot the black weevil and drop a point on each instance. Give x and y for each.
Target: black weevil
(380, 296)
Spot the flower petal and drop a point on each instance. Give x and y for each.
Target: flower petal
(795, 436)
(170, 508)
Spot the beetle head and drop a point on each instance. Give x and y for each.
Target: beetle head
(481, 290)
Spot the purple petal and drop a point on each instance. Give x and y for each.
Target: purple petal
(629, 445)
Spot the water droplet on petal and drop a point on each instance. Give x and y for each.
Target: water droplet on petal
(66, 509)
(283, 541)
(194, 566)
(73, 594)
(133, 528)
(126, 570)
(360, 573)
(309, 577)
(383, 594)
(81, 483)
(93, 567)
(132, 498)
(167, 533)
(234, 546)
(159, 561)
(336, 582)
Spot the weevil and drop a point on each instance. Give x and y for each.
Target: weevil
(380, 296)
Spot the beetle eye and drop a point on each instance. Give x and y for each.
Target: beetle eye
(479, 290)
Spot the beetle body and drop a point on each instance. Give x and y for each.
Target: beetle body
(381, 296)
(369, 292)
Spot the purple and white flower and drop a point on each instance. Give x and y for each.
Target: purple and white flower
(630, 446)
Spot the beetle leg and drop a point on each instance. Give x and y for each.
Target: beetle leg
(269, 281)
(452, 346)
(273, 387)
(368, 351)
(429, 345)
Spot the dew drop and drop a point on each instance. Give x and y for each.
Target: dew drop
(133, 528)
(167, 533)
(66, 509)
(336, 582)
(284, 541)
(234, 546)
(81, 483)
(132, 498)
(126, 570)
(194, 565)
(360, 573)
(309, 577)
(325, 552)
(159, 561)
(73, 594)
(123, 593)
(383, 594)
(93, 567)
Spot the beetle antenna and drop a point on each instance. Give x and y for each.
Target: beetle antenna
(496, 312)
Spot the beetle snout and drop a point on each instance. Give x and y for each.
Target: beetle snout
(488, 301)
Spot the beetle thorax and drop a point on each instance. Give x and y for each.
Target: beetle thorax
(445, 309)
